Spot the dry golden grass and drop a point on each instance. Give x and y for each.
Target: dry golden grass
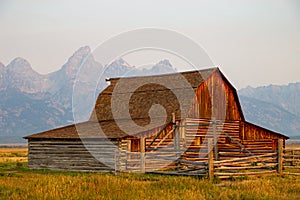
(18, 182)
(293, 146)
(50, 185)
(13, 155)
(13, 150)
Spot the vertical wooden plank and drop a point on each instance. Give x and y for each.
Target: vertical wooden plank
(177, 138)
(29, 153)
(293, 156)
(177, 141)
(215, 142)
(210, 159)
(183, 133)
(142, 148)
(280, 156)
(128, 145)
(173, 118)
(116, 163)
(242, 132)
(128, 157)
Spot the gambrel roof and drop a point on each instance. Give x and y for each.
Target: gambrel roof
(174, 92)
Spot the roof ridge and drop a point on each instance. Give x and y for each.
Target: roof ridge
(162, 75)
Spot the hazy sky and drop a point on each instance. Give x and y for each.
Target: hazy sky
(253, 42)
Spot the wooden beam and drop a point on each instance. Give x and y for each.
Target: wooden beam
(117, 164)
(173, 118)
(210, 160)
(280, 156)
(177, 138)
(157, 135)
(242, 128)
(127, 153)
(241, 146)
(246, 158)
(293, 154)
(177, 142)
(142, 148)
(245, 173)
(215, 138)
(162, 140)
(183, 132)
(128, 145)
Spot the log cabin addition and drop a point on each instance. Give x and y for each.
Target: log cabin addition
(179, 139)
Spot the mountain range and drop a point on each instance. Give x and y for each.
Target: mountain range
(276, 107)
(32, 102)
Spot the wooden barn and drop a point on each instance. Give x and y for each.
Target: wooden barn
(125, 132)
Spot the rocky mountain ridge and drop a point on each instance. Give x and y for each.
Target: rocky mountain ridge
(276, 107)
(31, 102)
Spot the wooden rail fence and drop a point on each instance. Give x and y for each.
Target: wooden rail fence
(264, 162)
(291, 161)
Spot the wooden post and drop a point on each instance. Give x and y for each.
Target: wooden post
(142, 148)
(177, 138)
(128, 156)
(210, 159)
(29, 153)
(182, 134)
(116, 163)
(215, 142)
(128, 145)
(242, 130)
(280, 156)
(293, 156)
(177, 142)
(173, 118)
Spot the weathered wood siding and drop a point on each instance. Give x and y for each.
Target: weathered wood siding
(160, 135)
(253, 132)
(157, 137)
(71, 154)
(161, 152)
(215, 98)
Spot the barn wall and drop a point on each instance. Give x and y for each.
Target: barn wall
(252, 132)
(215, 99)
(196, 131)
(71, 154)
(193, 143)
(164, 134)
(252, 135)
(159, 133)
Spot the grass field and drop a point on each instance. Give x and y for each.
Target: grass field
(293, 146)
(13, 155)
(18, 182)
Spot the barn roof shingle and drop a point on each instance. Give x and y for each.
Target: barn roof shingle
(174, 92)
(85, 130)
(153, 92)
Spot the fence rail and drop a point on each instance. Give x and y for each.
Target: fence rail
(247, 166)
(263, 162)
(292, 161)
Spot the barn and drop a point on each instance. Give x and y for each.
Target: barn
(154, 123)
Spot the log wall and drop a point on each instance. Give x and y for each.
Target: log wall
(71, 154)
(252, 132)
